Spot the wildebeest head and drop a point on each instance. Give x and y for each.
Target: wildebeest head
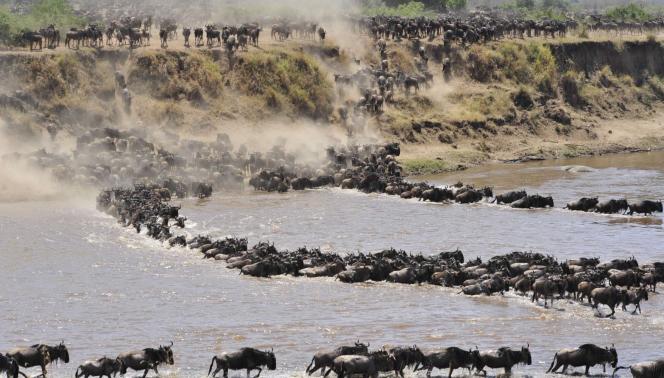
(59, 352)
(166, 354)
(525, 354)
(614, 356)
(271, 360)
(118, 366)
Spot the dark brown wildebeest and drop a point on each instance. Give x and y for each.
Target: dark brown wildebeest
(587, 355)
(404, 357)
(39, 355)
(246, 358)
(609, 296)
(9, 366)
(649, 369)
(186, 33)
(163, 37)
(645, 207)
(504, 358)
(510, 197)
(33, 39)
(146, 359)
(634, 297)
(612, 207)
(322, 360)
(354, 365)
(452, 358)
(99, 368)
(584, 204)
(198, 37)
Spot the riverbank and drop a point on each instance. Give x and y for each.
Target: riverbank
(615, 136)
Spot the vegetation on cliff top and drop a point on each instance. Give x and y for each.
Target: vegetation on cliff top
(285, 80)
(42, 13)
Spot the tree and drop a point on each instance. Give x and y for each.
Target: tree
(454, 4)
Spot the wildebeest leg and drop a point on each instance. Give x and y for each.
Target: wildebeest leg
(587, 369)
(259, 372)
(145, 372)
(309, 371)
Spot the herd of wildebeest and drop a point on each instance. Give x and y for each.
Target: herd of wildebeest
(344, 361)
(465, 29)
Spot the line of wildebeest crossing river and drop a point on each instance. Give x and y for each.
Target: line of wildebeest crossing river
(345, 360)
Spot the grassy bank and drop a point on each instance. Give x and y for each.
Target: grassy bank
(41, 14)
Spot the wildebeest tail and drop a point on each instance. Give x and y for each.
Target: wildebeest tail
(212, 364)
(619, 368)
(555, 356)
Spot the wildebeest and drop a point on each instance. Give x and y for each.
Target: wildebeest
(163, 37)
(649, 369)
(404, 357)
(33, 39)
(587, 355)
(352, 365)
(39, 355)
(584, 204)
(545, 287)
(9, 366)
(146, 359)
(452, 358)
(510, 197)
(634, 297)
(198, 36)
(645, 207)
(186, 33)
(504, 358)
(534, 201)
(609, 296)
(246, 358)
(322, 360)
(612, 207)
(99, 368)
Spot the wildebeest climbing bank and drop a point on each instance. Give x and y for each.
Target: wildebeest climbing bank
(344, 188)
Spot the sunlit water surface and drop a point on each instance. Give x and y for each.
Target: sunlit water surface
(72, 273)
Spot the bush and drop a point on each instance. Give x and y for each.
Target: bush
(523, 99)
(286, 78)
(628, 13)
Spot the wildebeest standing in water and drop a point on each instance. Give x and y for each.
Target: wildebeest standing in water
(246, 358)
(354, 365)
(649, 369)
(99, 368)
(504, 358)
(40, 355)
(9, 366)
(405, 357)
(452, 358)
(587, 355)
(322, 360)
(146, 359)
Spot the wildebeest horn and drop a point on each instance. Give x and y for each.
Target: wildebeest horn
(528, 345)
(171, 342)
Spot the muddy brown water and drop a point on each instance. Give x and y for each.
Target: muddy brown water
(72, 273)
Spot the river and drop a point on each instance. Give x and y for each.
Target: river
(73, 274)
